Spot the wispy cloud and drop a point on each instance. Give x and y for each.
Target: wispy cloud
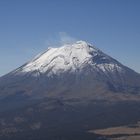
(65, 38)
(60, 39)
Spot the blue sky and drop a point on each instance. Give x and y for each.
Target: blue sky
(27, 27)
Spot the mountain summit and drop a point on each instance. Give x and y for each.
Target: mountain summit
(72, 58)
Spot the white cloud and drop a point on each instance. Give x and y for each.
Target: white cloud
(60, 39)
(65, 38)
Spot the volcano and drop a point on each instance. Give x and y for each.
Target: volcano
(65, 92)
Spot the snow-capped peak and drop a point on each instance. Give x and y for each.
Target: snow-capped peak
(69, 57)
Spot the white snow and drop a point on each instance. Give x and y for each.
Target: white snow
(109, 67)
(69, 57)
